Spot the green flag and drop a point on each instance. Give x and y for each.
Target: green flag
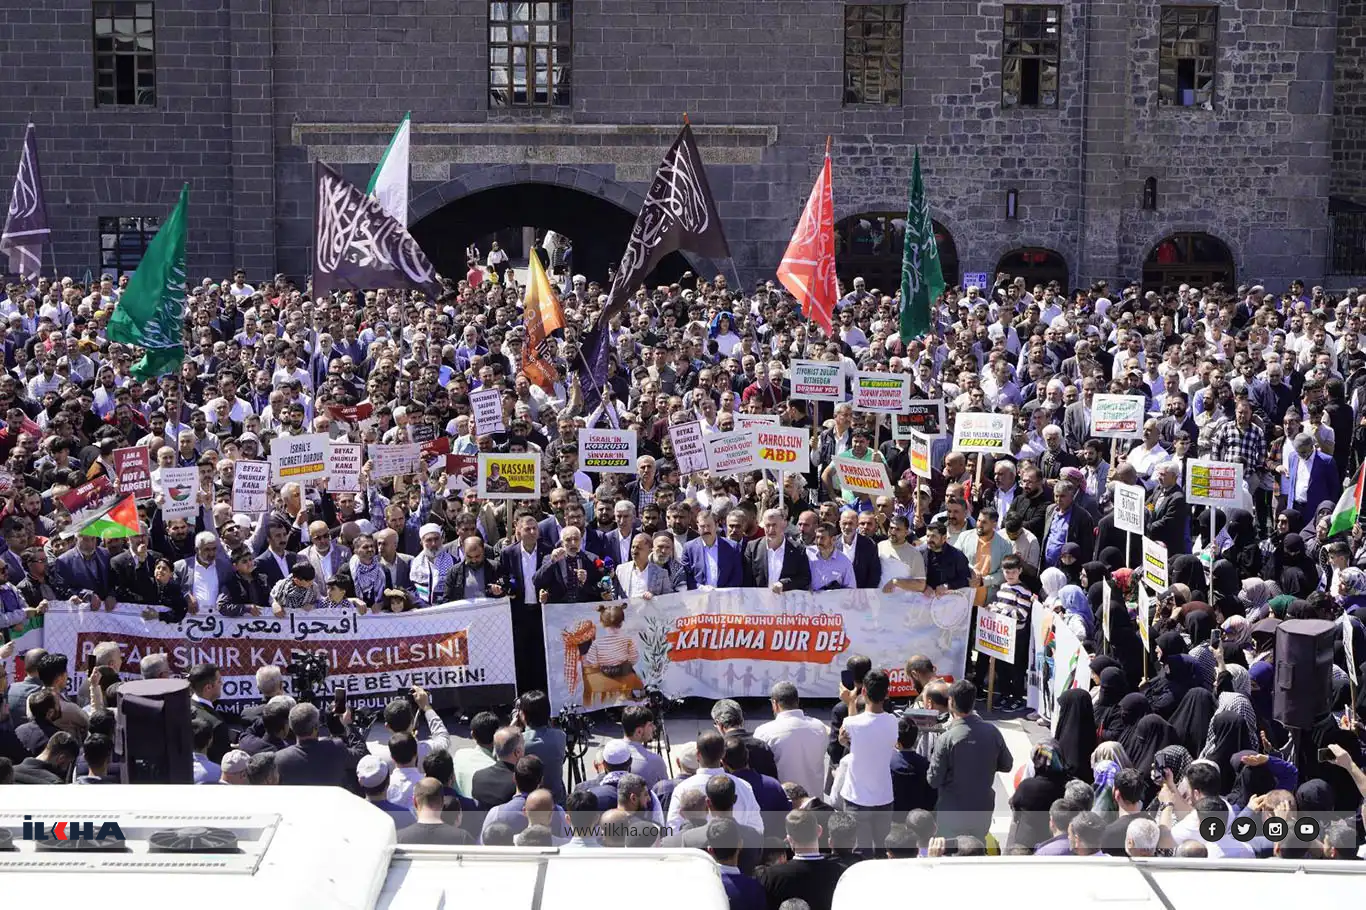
(151, 311)
(922, 281)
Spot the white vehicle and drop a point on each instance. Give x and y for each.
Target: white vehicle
(1103, 883)
(315, 847)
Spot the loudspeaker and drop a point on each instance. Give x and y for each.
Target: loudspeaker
(154, 732)
(1304, 671)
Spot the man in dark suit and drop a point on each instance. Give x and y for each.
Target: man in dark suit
(312, 761)
(132, 570)
(725, 841)
(53, 765)
(768, 792)
(616, 543)
(710, 559)
(1031, 502)
(910, 772)
(85, 568)
(792, 566)
(206, 687)
(1170, 522)
(862, 551)
(721, 799)
(1076, 417)
(275, 562)
(568, 575)
(810, 874)
(496, 784)
(1312, 476)
(518, 566)
(474, 576)
(1066, 522)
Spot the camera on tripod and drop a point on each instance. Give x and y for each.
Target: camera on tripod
(307, 675)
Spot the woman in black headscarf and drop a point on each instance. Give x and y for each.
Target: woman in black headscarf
(1179, 674)
(1225, 587)
(1250, 781)
(1227, 737)
(1070, 561)
(1114, 685)
(1045, 781)
(1123, 638)
(1296, 572)
(1076, 732)
(1112, 558)
(1144, 740)
(1132, 708)
(1191, 719)
(1288, 521)
(1188, 570)
(1242, 550)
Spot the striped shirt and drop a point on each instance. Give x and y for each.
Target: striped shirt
(1013, 600)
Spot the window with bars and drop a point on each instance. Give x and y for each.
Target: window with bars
(1031, 55)
(530, 51)
(125, 53)
(1185, 76)
(872, 54)
(123, 241)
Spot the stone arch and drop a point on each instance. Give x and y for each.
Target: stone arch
(1158, 274)
(887, 279)
(1058, 269)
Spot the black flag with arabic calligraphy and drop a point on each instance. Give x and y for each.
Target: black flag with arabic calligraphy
(679, 213)
(357, 245)
(26, 228)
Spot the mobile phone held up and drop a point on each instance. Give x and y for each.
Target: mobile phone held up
(847, 679)
(339, 701)
(1216, 638)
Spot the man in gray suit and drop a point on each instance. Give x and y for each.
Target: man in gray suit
(963, 767)
(1076, 419)
(325, 555)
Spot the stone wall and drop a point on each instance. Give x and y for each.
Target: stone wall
(254, 88)
(1349, 104)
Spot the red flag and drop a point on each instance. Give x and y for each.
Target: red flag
(808, 266)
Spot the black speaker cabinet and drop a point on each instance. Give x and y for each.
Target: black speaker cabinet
(1304, 671)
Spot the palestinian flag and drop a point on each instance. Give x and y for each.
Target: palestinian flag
(119, 520)
(1349, 505)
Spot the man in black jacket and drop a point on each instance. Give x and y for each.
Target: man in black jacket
(1031, 503)
(729, 720)
(775, 549)
(810, 874)
(53, 764)
(1068, 523)
(496, 784)
(910, 772)
(315, 761)
(1171, 516)
(206, 687)
(569, 575)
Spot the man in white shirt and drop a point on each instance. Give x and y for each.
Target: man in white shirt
(798, 742)
(711, 746)
(399, 717)
(870, 736)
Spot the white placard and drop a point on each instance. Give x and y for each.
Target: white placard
(745, 421)
(1129, 506)
(487, 405)
(179, 487)
(1118, 416)
(251, 486)
(394, 461)
(298, 459)
(817, 380)
(868, 478)
(881, 393)
(995, 635)
(607, 451)
(1214, 483)
(344, 461)
(976, 432)
(783, 448)
(689, 451)
(1154, 564)
(730, 453)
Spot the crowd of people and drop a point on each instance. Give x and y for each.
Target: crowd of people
(1275, 383)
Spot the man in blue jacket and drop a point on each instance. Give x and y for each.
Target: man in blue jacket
(711, 560)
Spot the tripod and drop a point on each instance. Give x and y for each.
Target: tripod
(575, 750)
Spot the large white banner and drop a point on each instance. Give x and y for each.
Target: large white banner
(740, 641)
(460, 652)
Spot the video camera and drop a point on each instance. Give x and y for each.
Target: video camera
(307, 675)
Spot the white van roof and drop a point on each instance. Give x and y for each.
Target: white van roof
(1102, 883)
(316, 847)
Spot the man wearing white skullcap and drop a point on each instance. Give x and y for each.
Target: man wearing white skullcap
(429, 568)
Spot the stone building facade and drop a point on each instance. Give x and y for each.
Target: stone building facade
(1091, 184)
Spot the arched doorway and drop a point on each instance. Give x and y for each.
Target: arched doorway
(870, 244)
(1196, 259)
(597, 227)
(1036, 266)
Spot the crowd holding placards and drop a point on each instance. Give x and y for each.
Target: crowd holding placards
(1010, 498)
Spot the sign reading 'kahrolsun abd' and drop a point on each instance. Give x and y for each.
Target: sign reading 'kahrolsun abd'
(883, 393)
(460, 652)
(976, 432)
(298, 459)
(1118, 416)
(607, 451)
(816, 380)
(784, 448)
(739, 641)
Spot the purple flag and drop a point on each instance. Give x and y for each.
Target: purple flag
(26, 228)
(357, 245)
